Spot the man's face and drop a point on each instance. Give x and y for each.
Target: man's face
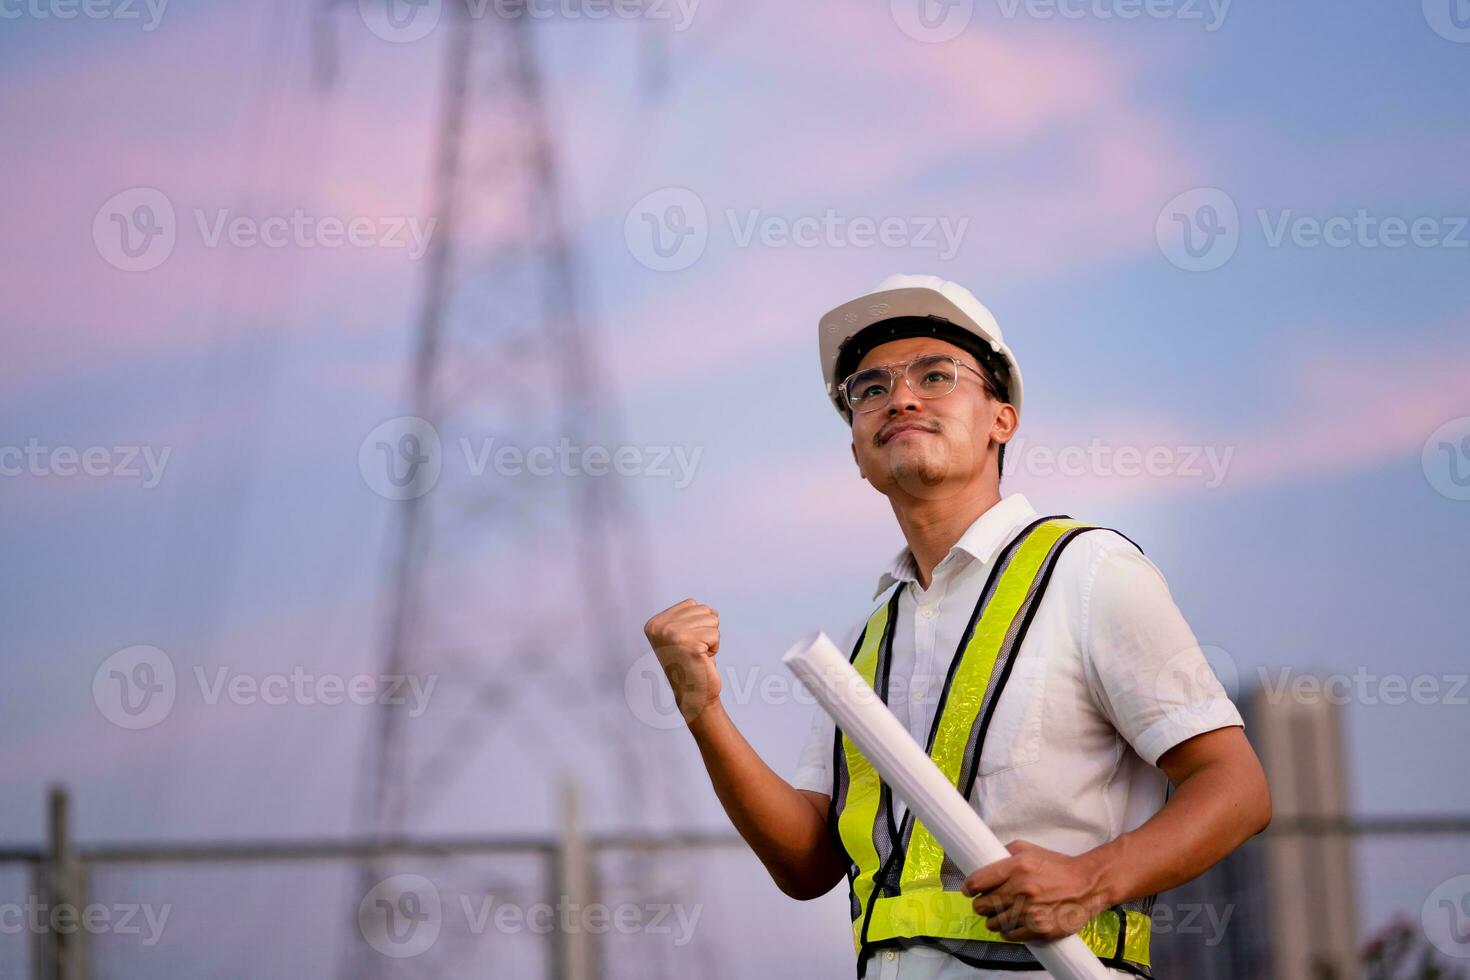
(928, 447)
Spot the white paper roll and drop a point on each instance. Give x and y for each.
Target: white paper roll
(914, 777)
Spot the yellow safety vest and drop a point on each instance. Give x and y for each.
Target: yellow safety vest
(903, 889)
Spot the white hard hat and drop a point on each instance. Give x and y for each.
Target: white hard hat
(947, 304)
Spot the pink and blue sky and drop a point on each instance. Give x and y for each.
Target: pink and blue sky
(1328, 542)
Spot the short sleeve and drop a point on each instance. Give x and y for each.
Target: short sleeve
(1144, 667)
(814, 767)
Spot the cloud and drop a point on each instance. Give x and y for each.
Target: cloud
(1340, 415)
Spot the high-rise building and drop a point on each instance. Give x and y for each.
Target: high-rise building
(1282, 906)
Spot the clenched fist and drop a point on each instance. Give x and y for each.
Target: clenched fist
(685, 637)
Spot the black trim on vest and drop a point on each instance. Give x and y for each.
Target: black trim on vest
(1002, 560)
(886, 881)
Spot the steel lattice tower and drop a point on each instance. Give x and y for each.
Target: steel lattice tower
(519, 593)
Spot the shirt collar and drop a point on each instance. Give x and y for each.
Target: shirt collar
(981, 540)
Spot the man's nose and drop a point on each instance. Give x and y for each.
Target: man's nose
(903, 398)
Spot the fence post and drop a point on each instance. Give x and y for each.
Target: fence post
(59, 942)
(574, 953)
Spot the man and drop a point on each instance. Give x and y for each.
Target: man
(1041, 662)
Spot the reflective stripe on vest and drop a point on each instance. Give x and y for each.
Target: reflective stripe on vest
(908, 891)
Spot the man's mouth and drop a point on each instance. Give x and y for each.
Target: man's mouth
(888, 435)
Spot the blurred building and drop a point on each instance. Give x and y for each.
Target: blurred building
(1281, 907)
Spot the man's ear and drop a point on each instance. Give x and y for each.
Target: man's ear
(1004, 426)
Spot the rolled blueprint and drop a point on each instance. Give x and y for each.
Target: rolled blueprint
(914, 777)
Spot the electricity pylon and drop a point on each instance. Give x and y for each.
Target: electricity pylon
(518, 594)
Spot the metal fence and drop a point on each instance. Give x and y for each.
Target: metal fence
(562, 906)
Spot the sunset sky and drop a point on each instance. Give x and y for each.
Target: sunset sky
(1296, 378)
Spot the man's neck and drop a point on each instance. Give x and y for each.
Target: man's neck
(931, 527)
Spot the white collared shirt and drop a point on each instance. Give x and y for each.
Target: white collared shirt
(1108, 679)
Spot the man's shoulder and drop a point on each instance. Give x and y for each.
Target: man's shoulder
(1087, 553)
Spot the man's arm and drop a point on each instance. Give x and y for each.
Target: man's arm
(1221, 800)
(786, 827)
(1149, 677)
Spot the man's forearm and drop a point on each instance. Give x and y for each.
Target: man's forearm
(784, 828)
(1211, 813)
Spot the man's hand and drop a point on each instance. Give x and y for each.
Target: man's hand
(685, 638)
(1036, 893)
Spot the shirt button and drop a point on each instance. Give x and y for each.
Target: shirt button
(920, 690)
(889, 954)
(927, 612)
